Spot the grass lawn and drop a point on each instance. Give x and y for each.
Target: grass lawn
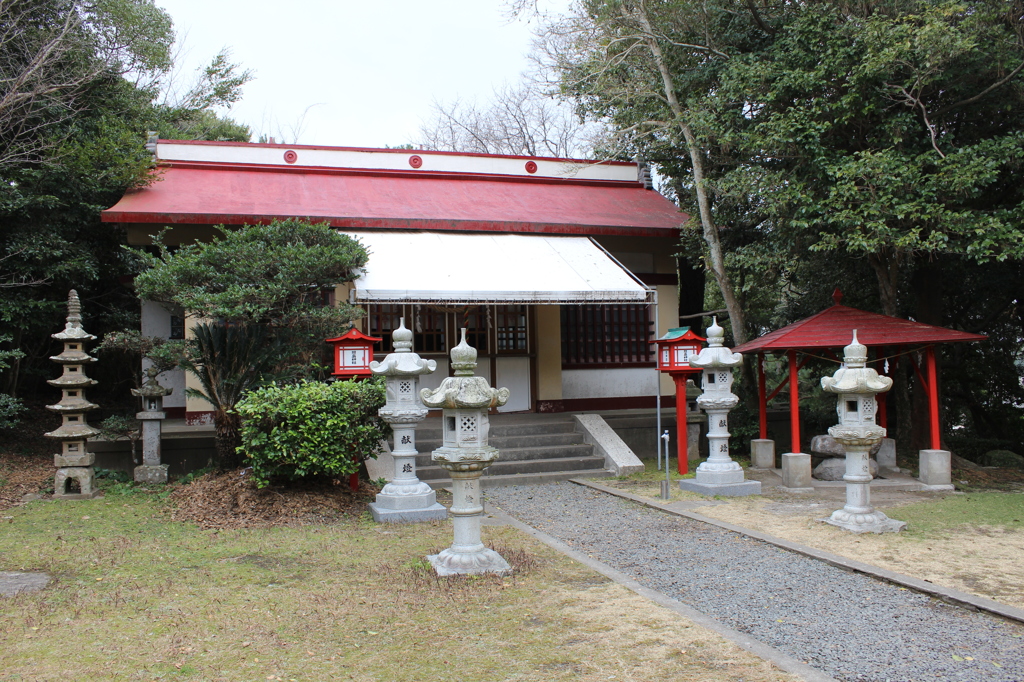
(137, 596)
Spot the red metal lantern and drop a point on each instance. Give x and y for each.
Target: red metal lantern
(674, 352)
(676, 348)
(353, 352)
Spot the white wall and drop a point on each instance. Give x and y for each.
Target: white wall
(609, 383)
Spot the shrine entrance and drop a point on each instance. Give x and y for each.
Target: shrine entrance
(502, 335)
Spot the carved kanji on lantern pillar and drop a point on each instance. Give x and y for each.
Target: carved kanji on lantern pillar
(719, 475)
(74, 464)
(857, 384)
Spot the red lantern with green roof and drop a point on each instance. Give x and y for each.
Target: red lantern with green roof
(674, 352)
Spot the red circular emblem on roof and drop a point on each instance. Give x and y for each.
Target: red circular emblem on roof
(531, 167)
(290, 156)
(415, 161)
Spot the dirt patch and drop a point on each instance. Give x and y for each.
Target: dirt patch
(232, 500)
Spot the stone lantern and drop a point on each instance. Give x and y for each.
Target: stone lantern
(73, 463)
(465, 453)
(152, 394)
(406, 499)
(719, 475)
(857, 384)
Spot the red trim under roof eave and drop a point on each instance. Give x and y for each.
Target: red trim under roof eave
(233, 196)
(832, 328)
(393, 224)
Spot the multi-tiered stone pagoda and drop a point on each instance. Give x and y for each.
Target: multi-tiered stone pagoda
(74, 464)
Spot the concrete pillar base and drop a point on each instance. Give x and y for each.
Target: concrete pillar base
(934, 468)
(729, 489)
(762, 453)
(886, 455)
(796, 471)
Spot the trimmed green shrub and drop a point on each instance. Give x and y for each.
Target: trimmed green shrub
(311, 428)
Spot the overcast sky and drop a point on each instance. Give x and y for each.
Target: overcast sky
(355, 72)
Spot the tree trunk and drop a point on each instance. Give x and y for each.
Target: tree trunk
(227, 439)
(887, 271)
(716, 260)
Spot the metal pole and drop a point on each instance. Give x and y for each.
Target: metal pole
(657, 389)
(666, 485)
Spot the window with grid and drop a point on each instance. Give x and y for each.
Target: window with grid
(428, 330)
(606, 335)
(382, 320)
(511, 328)
(475, 320)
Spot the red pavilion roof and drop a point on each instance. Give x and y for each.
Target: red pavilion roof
(833, 328)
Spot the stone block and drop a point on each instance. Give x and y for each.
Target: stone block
(834, 468)
(934, 468)
(886, 454)
(762, 453)
(151, 473)
(381, 514)
(796, 471)
(84, 460)
(729, 489)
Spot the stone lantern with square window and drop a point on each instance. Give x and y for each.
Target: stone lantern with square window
(74, 464)
(856, 385)
(464, 453)
(151, 416)
(719, 475)
(406, 499)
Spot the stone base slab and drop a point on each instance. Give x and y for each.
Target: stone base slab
(729, 489)
(712, 477)
(469, 563)
(151, 473)
(78, 496)
(436, 512)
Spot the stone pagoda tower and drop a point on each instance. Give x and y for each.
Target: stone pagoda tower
(73, 463)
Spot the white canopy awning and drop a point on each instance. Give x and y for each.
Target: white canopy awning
(433, 267)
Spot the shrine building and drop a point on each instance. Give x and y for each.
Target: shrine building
(566, 268)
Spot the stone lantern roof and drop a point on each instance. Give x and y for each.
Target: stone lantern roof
(715, 355)
(855, 376)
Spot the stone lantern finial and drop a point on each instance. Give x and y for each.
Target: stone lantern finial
(856, 385)
(401, 338)
(463, 358)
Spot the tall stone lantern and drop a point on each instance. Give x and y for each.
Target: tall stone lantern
(151, 416)
(465, 453)
(719, 475)
(856, 385)
(406, 499)
(74, 463)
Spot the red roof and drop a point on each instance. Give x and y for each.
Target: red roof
(833, 328)
(232, 194)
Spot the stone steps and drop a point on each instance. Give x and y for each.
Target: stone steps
(533, 449)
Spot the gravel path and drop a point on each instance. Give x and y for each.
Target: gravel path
(851, 626)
